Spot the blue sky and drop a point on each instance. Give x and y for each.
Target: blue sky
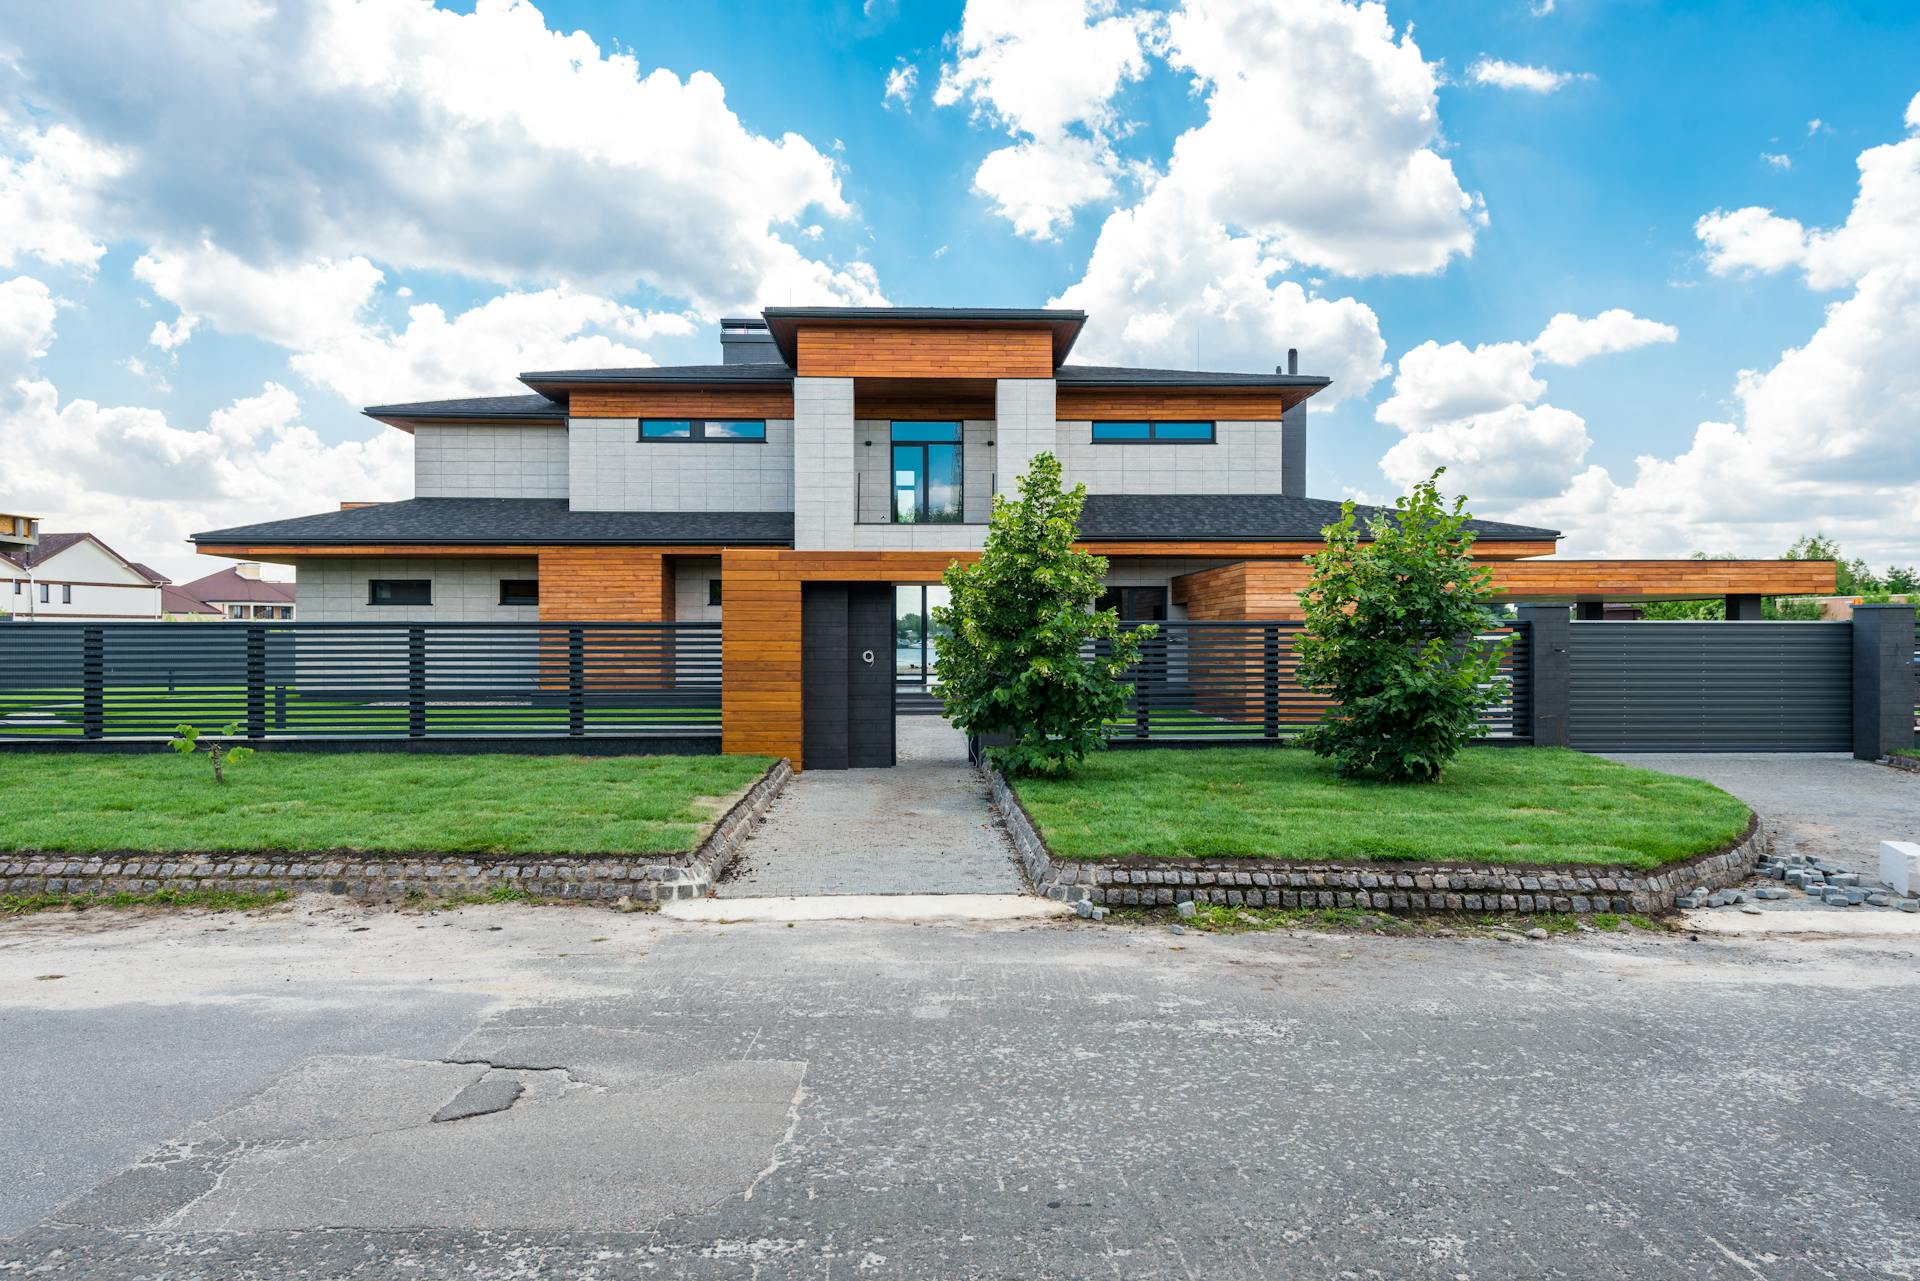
(214, 255)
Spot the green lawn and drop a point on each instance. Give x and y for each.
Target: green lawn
(378, 803)
(1495, 805)
(1907, 751)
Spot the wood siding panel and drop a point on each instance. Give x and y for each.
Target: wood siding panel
(906, 351)
(683, 402)
(1077, 404)
(1270, 589)
(605, 585)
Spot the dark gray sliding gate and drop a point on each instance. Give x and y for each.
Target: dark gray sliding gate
(1712, 686)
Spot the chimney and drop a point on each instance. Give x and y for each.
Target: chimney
(248, 569)
(745, 341)
(1293, 437)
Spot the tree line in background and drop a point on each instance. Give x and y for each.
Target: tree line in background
(1852, 578)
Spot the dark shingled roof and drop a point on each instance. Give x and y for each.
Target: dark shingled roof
(740, 373)
(229, 585)
(1121, 376)
(1229, 517)
(509, 520)
(534, 406)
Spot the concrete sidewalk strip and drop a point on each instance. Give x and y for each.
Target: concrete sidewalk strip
(867, 907)
(1840, 923)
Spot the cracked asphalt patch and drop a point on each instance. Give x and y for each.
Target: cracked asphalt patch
(847, 1099)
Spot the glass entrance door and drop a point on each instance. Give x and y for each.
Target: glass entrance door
(916, 637)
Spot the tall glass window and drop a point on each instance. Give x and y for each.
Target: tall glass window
(926, 473)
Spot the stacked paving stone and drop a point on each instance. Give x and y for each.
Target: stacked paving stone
(1829, 884)
(653, 878)
(1450, 887)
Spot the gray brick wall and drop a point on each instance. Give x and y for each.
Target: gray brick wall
(1244, 459)
(489, 462)
(466, 589)
(611, 470)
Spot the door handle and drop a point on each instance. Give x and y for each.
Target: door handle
(866, 656)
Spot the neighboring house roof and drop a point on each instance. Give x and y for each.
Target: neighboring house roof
(51, 545)
(538, 521)
(178, 600)
(152, 573)
(1229, 517)
(229, 585)
(7, 559)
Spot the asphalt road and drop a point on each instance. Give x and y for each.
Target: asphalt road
(852, 1100)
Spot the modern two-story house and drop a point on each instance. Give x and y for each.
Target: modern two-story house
(861, 448)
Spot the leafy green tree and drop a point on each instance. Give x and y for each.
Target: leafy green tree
(1021, 621)
(1392, 638)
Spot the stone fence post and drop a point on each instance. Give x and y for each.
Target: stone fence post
(1883, 679)
(1548, 632)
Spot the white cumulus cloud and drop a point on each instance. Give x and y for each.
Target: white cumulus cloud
(901, 82)
(1501, 74)
(1569, 339)
(1046, 71)
(417, 138)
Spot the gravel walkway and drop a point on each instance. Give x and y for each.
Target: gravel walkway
(926, 826)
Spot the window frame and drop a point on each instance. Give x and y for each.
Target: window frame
(399, 604)
(697, 432)
(1153, 427)
(919, 437)
(519, 582)
(66, 593)
(713, 593)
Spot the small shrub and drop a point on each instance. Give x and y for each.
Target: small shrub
(1391, 637)
(222, 753)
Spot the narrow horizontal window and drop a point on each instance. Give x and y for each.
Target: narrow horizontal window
(713, 591)
(915, 433)
(752, 430)
(519, 591)
(1154, 433)
(399, 591)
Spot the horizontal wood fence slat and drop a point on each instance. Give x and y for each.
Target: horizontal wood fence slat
(295, 680)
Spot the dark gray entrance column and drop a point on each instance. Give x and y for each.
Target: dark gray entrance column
(1743, 609)
(1883, 679)
(1548, 634)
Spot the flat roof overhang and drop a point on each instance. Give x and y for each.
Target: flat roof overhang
(785, 323)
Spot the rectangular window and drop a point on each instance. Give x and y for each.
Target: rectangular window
(713, 592)
(926, 473)
(1135, 433)
(66, 593)
(44, 597)
(716, 430)
(18, 586)
(519, 591)
(399, 591)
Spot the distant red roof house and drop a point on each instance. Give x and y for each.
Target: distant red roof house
(239, 592)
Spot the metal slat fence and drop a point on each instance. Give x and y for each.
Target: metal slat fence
(66, 681)
(1238, 682)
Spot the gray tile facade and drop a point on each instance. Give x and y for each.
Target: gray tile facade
(823, 472)
(490, 462)
(690, 578)
(466, 589)
(1245, 458)
(611, 470)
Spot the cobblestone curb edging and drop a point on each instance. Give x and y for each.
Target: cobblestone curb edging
(642, 879)
(1911, 764)
(1389, 887)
